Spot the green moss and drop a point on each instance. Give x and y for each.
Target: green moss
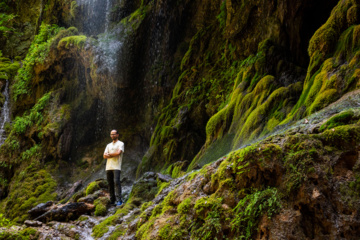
(146, 205)
(24, 234)
(83, 218)
(73, 9)
(161, 186)
(117, 233)
(172, 231)
(210, 218)
(92, 187)
(135, 19)
(332, 45)
(101, 206)
(185, 206)
(342, 136)
(323, 99)
(31, 186)
(77, 41)
(165, 232)
(4, 222)
(342, 118)
(144, 231)
(350, 191)
(100, 229)
(301, 155)
(7, 68)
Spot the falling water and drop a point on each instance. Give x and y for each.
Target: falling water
(95, 20)
(5, 113)
(95, 14)
(107, 18)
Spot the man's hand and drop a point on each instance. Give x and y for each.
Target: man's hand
(110, 155)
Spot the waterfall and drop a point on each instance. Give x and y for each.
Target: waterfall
(107, 18)
(5, 113)
(95, 15)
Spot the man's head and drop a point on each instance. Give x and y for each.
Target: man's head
(114, 134)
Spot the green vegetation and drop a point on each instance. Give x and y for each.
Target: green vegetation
(31, 186)
(92, 187)
(24, 234)
(222, 15)
(332, 49)
(101, 206)
(250, 208)
(4, 222)
(8, 69)
(135, 19)
(343, 118)
(77, 41)
(185, 206)
(37, 53)
(350, 191)
(210, 218)
(34, 116)
(6, 20)
(100, 229)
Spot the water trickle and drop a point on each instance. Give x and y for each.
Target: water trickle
(107, 18)
(5, 114)
(95, 15)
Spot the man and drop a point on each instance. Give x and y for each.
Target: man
(114, 153)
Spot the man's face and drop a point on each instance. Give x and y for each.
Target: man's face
(114, 135)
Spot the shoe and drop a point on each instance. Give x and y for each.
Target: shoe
(119, 203)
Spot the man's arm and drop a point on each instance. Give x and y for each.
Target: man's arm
(106, 153)
(110, 155)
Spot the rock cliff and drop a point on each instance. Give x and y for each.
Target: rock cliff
(251, 109)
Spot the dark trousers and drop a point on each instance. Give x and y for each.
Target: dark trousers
(113, 178)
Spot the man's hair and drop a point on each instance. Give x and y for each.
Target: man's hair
(115, 131)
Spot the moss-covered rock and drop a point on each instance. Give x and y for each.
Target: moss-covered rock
(101, 205)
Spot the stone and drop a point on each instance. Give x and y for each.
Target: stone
(31, 223)
(164, 178)
(40, 209)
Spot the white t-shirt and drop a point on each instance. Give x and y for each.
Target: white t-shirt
(115, 162)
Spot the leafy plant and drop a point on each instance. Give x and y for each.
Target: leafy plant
(37, 53)
(33, 117)
(6, 21)
(251, 207)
